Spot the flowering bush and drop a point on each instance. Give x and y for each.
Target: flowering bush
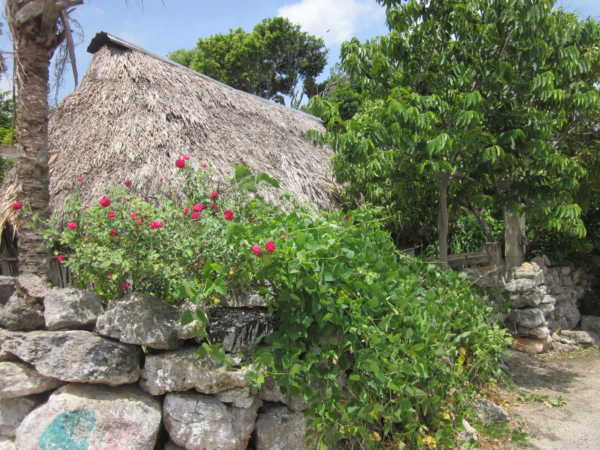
(384, 348)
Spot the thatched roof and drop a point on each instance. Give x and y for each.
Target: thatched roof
(135, 113)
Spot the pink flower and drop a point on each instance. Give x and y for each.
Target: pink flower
(86, 207)
(155, 224)
(270, 246)
(80, 179)
(111, 214)
(186, 210)
(214, 196)
(126, 286)
(127, 183)
(105, 202)
(185, 157)
(228, 214)
(213, 206)
(256, 250)
(198, 207)
(134, 215)
(60, 258)
(114, 233)
(162, 180)
(72, 226)
(180, 163)
(17, 205)
(195, 215)
(204, 165)
(139, 221)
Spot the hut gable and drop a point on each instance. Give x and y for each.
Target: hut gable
(135, 113)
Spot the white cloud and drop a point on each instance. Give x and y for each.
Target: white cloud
(333, 20)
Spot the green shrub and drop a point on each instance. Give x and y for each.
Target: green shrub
(383, 347)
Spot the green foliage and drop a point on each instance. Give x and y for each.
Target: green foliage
(7, 131)
(500, 96)
(275, 59)
(383, 347)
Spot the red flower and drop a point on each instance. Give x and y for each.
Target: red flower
(256, 250)
(186, 210)
(134, 215)
(198, 207)
(86, 207)
(180, 163)
(105, 202)
(126, 286)
(111, 214)
(185, 157)
(17, 205)
(155, 224)
(60, 258)
(195, 215)
(139, 221)
(270, 246)
(114, 233)
(80, 179)
(214, 196)
(228, 214)
(204, 165)
(213, 206)
(162, 180)
(72, 226)
(127, 183)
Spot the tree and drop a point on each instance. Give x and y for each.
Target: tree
(492, 101)
(274, 60)
(38, 27)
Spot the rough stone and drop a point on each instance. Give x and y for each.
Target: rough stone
(200, 422)
(238, 397)
(528, 298)
(239, 329)
(279, 428)
(581, 337)
(469, 434)
(561, 347)
(530, 271)
(18, 380)
(71, 309)
(7, 288)
(92, 417)
(244, 300)
(591, 323)
(76, 356)
(271, 392)
(527, 345)
(13, 411)
(142, 320)
(528, 318)
(172, 446)
(31, 287)
(21, 314)
(538, 333)
(488, 411)
(181, 370)
(188, 331)
(7, 444)
(5, 356)
(520, 285)
(566, 315)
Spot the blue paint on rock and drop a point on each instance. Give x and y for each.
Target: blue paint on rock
(70, 430)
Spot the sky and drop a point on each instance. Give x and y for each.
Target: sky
(162, 26)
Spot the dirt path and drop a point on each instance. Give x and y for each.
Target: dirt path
(557, 399)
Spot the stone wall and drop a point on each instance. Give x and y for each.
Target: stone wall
(543, 303)
(76, 374)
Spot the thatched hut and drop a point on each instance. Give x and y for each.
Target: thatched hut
(135, 112)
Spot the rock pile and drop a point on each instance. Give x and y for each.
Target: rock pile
(74, 374)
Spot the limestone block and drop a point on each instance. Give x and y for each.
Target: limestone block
(92, 417)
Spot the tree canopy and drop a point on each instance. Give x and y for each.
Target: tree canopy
(274, 60)
(476, 104)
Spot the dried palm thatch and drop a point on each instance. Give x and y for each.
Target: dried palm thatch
(135, 113)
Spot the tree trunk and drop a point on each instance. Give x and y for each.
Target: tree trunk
(443, 181)
(35, 41)
(514, 239)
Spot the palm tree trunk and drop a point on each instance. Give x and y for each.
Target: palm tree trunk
(36, 37)
(443, 182)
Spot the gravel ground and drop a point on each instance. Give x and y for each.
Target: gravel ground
(569, 419)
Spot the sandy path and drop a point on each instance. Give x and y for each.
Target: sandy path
(574, 377)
